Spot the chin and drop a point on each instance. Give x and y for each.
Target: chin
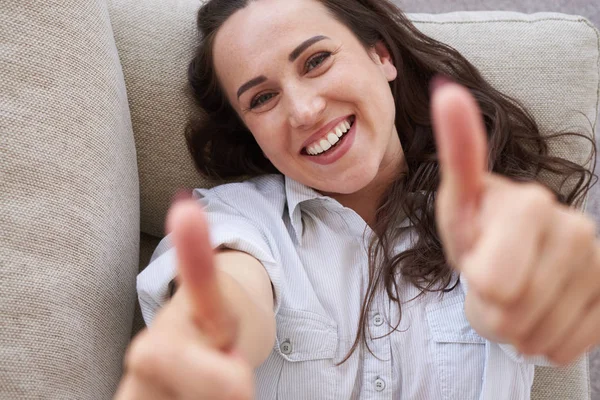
(347, 185)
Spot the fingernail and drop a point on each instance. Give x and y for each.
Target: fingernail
(437, 82)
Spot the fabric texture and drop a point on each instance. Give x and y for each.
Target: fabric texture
(315, 252)
(148, 245)
(156, 40)
(69, 201)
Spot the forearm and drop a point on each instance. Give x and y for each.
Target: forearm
(257, 322)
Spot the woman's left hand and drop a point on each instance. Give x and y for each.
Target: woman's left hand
(532, 265)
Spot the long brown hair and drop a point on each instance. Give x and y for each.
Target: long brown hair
(223, 148)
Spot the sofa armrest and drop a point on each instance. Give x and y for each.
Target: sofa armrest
(69, 202)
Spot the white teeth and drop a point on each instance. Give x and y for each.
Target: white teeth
(332, 139)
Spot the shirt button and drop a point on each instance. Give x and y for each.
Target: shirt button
(378, 320)
(379, 384)
(286, 347)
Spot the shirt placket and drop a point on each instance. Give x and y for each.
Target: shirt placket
(377, 369)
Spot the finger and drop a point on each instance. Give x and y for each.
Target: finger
(563, 320)
(190, 369)
(132, 388)
(501, 264)
(561, 258)
(462, 150)
(197, 273)
(586, 335)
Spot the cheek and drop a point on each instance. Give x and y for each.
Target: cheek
(372, 93)
(271, 143)
(265, 130)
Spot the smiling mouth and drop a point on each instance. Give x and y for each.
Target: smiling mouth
(329, 142)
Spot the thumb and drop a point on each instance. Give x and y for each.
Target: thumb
(197, 274)
(462, 150)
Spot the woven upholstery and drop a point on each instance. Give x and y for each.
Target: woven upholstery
(155, 41)
(69, 202)
(82, 101)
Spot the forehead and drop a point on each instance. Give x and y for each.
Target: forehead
(268, 30)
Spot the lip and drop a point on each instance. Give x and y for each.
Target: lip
(338, 151)
(324, 131)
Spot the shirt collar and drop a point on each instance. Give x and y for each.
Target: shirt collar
(297, 193)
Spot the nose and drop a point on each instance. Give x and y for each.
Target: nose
(306, 107)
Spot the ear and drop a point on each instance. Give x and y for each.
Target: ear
(381, 55)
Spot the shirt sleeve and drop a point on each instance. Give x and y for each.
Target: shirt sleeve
(228, 228)
(511, 351)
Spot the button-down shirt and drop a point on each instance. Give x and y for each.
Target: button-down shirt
(315, 252)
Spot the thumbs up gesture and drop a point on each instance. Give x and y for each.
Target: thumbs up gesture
(189, 351)
(532, 265)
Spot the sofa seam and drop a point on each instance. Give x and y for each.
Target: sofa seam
(421, 21)
(594, 127)
(597, 33)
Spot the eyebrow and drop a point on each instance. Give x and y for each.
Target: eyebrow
(292, 57)
(305, 45)
(251, 83)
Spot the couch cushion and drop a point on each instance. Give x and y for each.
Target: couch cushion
(69, 202)
(155, 40)
(548, 61)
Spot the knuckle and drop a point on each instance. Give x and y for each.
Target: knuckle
(536, 199)
(498, 322)
(561, 359)
(243, 389)
(587, 229)
(139, 353)
(519, 330)
(143, 355)
(243, 377)
(579, 231)
(509, 294)
(488, 285)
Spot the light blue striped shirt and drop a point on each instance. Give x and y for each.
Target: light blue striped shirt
(315, 252)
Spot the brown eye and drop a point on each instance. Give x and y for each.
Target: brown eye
(317, 60)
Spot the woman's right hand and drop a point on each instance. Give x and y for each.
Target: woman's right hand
(189, 351)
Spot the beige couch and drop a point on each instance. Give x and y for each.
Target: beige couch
(92, 106)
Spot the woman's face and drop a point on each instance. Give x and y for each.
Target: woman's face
(299, 79)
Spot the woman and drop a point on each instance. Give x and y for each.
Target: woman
(337, 267)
